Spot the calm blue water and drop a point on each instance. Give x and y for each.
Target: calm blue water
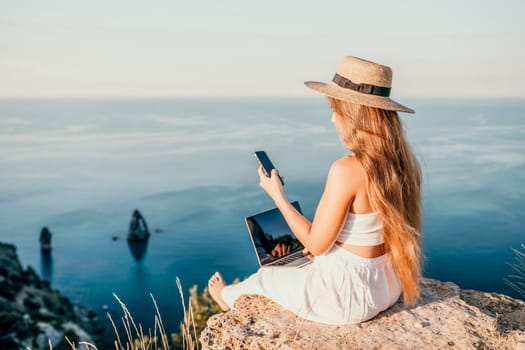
(80, 167)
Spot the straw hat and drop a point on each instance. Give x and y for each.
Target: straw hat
(362, 82)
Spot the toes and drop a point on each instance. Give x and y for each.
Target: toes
(216, 277)
(219, 277)
(212, 281)
(216, 281)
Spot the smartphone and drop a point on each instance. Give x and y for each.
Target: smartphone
(266, 163)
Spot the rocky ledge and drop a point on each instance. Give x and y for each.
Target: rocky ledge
(32, 314)
(445, 318)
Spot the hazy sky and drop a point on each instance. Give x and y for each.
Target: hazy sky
(256, 48)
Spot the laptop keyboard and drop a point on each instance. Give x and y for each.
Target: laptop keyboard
(288, 259)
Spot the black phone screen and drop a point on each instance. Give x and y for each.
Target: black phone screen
(266, 163)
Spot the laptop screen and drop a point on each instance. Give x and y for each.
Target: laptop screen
(268, 230)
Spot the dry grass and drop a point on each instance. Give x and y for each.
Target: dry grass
(189, 334)
(135, 339)
(517, 280)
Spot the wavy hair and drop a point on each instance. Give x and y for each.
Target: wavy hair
(376, 138)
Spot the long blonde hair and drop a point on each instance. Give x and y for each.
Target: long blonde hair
(376, 138)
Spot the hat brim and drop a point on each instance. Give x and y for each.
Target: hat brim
(335, 91)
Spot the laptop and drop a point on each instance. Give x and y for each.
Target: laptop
(269, 229)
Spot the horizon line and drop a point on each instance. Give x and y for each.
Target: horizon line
(225, 97)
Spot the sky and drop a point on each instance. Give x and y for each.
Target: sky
(109, 48)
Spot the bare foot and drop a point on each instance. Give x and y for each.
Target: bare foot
(215, 286)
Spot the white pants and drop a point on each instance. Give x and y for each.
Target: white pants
(338, 287)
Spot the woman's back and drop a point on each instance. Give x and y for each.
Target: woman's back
(359, 204)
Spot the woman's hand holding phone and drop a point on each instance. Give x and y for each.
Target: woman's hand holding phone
(266, 163)
(271, 185)
(269, 177)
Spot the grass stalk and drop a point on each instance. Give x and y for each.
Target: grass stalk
(517, 280)
(200, 307)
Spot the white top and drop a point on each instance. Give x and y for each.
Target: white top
(362, 230)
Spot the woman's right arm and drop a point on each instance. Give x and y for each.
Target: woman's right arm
(318, 236)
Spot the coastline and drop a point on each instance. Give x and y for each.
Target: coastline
(32, 314)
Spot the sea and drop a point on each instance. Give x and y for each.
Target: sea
(81, 166)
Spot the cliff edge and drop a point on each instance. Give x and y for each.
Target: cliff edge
(446, 317)
(32, 314)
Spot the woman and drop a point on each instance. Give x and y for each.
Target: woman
(365, 235)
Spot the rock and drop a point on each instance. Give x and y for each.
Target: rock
(31, 304)
(8, 343)
(48, 332)
(31, 313)
(80, 333)
(445, 318)
(10, 264)
(508, 311)
(30, 276)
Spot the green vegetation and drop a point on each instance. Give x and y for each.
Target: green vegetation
(201, 307)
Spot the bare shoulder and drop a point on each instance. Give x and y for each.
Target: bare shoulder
(347, 166)
(347, 173)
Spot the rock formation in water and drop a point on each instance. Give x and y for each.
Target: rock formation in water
(138, 228)
(445, 318)
(31, 313)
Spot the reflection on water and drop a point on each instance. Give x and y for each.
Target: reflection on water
(138, 249)
(46, 267)
(139, 282)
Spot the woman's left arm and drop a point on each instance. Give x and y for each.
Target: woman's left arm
(318, 236)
